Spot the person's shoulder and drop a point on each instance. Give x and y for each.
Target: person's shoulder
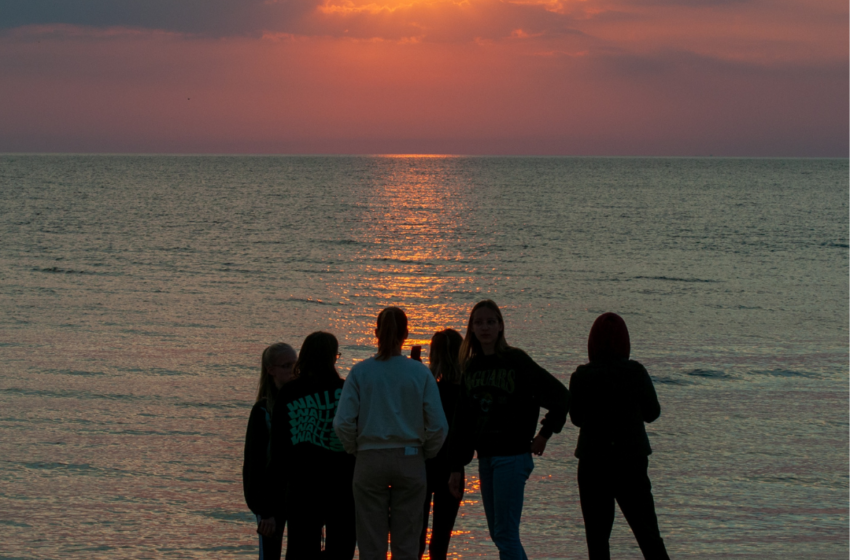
(519, 356)
(261, 406)
(362, 365)
(514, 352)
(415, 367)
(635, 365)
(291, 388)
(584, 369)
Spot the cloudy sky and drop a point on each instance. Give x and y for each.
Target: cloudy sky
(571, 77)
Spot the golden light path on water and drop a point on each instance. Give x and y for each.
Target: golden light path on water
(409, 240)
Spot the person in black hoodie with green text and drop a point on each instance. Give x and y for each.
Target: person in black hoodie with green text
(612, 398)
(503, 390)
(313, 471)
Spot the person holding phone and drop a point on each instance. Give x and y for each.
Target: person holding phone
(502, 391)
(391, 418)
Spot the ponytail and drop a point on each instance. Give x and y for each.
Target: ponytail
(391, 332)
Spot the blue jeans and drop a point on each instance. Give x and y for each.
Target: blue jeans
(502, 491)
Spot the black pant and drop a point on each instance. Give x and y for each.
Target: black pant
(445, 512)
(601, 480)
(313, 505)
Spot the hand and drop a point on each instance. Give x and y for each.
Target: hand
(267, 527)
(457, 482)
(538, 444)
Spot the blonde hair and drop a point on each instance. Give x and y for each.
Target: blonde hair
(471, 346)
(443, 358)
(266, 388)
(391, 332)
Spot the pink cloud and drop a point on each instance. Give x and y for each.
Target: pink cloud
(450, 77)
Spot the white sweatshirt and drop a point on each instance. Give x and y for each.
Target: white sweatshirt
(389, 404)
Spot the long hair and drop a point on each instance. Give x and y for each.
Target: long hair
(265, 388)
(443, 358)
(471, 347)
(391, 332)
(609, 339)
(317, 358)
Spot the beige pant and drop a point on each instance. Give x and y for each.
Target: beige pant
(389, 489)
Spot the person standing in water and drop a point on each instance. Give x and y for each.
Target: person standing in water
(276, 369)
(444, 365)
(612, 398)
(310, 468)
(502, 391)
(391, 418)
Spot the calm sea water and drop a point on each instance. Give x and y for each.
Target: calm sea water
(138, 292)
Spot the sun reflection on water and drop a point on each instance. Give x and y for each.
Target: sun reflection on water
(413, 232)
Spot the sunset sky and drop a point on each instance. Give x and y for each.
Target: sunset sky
(568, 77)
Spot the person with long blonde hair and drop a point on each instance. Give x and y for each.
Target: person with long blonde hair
(276, 369)
(502, 392)
(391, 419)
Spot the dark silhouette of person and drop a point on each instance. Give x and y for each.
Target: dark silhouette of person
(312, 470)
(612, 398)
(445, 365)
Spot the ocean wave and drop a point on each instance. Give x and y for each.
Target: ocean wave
(58, 270)
(708, 374)
(316, 301)
(787, 373)
(673, 279)
(670, 381)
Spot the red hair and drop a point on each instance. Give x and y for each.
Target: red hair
(609, 338)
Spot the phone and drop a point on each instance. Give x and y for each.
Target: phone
(416, 353)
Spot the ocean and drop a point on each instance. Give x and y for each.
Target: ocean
(137, 293)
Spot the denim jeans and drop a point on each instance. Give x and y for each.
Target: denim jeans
(502, 491)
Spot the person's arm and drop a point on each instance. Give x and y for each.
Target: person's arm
(279, 463)
(460, 443)
(347, 413)
(553, 396)
(436, 426)
(254, 475)
(577, 409)
(650, 409)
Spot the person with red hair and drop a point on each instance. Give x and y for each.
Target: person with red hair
(613, 397)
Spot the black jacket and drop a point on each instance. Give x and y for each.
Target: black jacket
(500, 402)
(611, 401)
(255, 481)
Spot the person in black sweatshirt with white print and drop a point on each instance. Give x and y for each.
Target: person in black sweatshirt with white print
(502, 391)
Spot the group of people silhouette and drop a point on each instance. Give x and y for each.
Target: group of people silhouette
(357, 462)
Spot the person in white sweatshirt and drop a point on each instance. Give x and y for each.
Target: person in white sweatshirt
(390, 417)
